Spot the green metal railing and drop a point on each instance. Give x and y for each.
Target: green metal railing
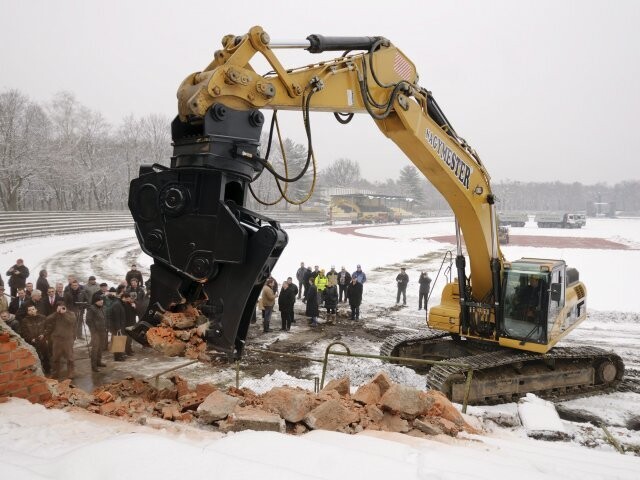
(416, 361)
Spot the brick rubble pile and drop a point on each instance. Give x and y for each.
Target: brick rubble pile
(378, 405)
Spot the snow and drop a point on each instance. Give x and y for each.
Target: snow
(40, 443)
(539, 416)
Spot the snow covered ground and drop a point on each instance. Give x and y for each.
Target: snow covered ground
(36, 443)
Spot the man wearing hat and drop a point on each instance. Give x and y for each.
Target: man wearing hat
(402, 280)
(359, 275)
(91, 287)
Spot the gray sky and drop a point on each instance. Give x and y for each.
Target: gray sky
(543, 90)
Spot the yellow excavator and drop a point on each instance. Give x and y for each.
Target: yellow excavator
(504, 318)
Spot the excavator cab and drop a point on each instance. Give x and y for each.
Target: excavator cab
(525, 306)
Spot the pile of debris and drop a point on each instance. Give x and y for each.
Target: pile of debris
(378, 405)
(178, 335)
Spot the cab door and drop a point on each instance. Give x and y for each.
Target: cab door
(556, 297)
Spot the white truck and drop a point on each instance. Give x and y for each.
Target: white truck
(513, 219)
(561, 220)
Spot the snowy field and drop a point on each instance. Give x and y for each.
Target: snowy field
(36, 443)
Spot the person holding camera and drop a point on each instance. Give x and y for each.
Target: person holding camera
(17, 276)
(76, 301)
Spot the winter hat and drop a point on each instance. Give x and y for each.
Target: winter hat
(96, 297)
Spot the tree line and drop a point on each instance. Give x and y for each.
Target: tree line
(64, 156)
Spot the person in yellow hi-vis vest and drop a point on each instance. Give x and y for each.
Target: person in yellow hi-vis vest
(321, 282)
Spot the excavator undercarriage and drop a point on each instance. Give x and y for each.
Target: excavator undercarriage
(503, 375)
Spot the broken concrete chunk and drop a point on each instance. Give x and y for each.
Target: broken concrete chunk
(331, 415)
(383, 381)
(427, 425)
(406, 401)
(368, 394)
(217, 406)
(249, 418)
(340, 385)
(394, 423)
(292, 404)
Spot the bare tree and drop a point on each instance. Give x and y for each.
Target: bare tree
(342, 173)
(23, 139)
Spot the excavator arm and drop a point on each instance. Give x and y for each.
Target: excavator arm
(210, 251)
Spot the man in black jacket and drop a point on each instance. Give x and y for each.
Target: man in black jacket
(354, 296)
(402, 280)
(344, 279)
(76, 302)
(286, 299)
(17, 276)
(423, 292)
(134, 273)
(117, 322)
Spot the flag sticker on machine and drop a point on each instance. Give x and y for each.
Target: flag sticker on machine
(402, 67)
(460, 169)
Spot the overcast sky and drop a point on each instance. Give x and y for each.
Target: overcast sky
(543, 90)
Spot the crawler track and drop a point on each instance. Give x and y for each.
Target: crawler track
(563, 373)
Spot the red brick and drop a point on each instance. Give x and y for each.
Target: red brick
(12, 386)
(5, 377)
(8, 346)
(45, 397)
(26, 362)
(5, 357)
(33, 380)
(34, 398)
(21, 375)
(20, 353)
(4, 337)
(9, 366)
(38, 389)
(22, 393)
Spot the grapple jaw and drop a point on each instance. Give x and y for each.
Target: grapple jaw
(209, 251)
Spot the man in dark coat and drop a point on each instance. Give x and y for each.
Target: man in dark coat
(59, 329)
(286, 299)
(134, 273)
(17, 276)
(36, 299)
(42, 283)
(344, 279)
(50, 301)
(305, 283)
(300, 277)
(130, 314)
(354, 296)
(32, 330)
(96, 323)
(423, 292)
(76, 302)
(402, 280)
(117, 321)
(312, 311)
(331, 302)
(18, 304)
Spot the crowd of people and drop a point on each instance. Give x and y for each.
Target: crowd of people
(52, 316)
(317, 289)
